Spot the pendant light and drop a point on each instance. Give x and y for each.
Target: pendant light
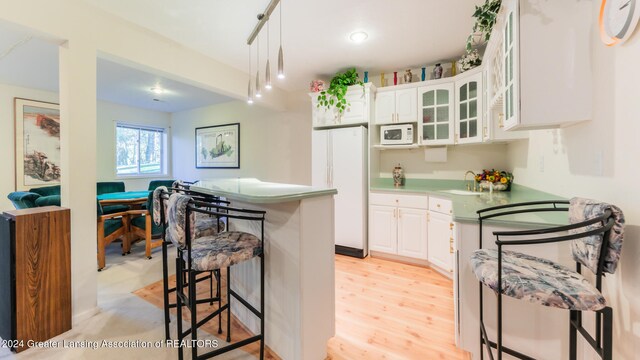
(258, 91)
(280, 56)
(267, 72)
(250, 90)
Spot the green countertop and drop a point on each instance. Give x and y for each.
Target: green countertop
(259, 192)
(465, 206)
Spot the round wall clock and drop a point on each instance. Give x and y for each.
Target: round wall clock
(618, 20)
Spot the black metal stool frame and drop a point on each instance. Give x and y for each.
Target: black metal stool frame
(191, 302)
(603, 342)
(165, 266)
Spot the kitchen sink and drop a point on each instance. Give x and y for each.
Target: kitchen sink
(461, 192)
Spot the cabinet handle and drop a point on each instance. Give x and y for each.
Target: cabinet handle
(438, 205)
(451, 245)
(450, 226)
(394, 213)
(484, 132)
(501, 120)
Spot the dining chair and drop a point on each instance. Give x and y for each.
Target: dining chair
(111, 227)
(595, 234)
(205, 225)
(213, 253)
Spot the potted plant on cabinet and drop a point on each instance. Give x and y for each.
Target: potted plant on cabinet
(485, 15)
(334, 96)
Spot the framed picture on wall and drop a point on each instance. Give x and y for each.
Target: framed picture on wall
(218, 147)
(37, 126)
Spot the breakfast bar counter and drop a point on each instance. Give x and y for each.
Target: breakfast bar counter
(299, 263)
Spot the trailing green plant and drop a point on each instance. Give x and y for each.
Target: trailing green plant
(485, 15)
(334, 95)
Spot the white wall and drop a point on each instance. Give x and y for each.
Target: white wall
(274, 146)
(108, 115)
(600, 160)
(459, 159)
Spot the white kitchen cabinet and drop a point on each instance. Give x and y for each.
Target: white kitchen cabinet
(545, 91)
(441, 237)
(469, 107)
(383, 229)
(357, 112)
(396, 105)
(441, 233)
(398, 224)
(339, 160)
(412, 233)
(435, 104)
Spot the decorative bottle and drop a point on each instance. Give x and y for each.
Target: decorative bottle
(423, 77)
(382, 79)
(437, 71)
(366, 77)
(395, 78)
(398, 176)
(408, 76)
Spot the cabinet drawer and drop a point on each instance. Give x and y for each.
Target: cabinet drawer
(401, 200)
(440, 205)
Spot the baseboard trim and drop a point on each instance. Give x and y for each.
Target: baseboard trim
(78, 318)
(349, 251)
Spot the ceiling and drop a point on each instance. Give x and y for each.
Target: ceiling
(402, 34)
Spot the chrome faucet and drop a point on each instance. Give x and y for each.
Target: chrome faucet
(472, 179)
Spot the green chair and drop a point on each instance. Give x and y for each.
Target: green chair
(51, 200)
(142, 226)
(46, 190)
(23, 199)
(108, 187)
(110, 228)
(154, 184)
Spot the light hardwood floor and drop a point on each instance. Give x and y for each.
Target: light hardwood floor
(389, 310)
(384, 310)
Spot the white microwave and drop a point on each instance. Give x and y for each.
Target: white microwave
(396, 134)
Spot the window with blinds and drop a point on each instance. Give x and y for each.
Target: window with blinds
(139, 150)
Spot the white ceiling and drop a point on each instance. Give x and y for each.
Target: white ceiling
(402, 34)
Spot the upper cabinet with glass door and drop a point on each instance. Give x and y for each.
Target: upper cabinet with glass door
(435, 104)
(546, 72)
(469, 102)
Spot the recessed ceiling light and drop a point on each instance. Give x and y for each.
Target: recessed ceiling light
(157, 90)
(358, 36)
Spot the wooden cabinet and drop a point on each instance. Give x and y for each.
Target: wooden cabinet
(398, 224)
(396, 105)
(541, 91)
(441, 233)
(469, 107)
(358, 110)
(435, 104)
(35, 274)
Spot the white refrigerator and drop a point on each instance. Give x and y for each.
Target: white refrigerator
(339, 158)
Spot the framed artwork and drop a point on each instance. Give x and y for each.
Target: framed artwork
(37, 126)
(218, 147)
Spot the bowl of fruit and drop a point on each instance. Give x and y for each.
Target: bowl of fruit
(500, 180)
